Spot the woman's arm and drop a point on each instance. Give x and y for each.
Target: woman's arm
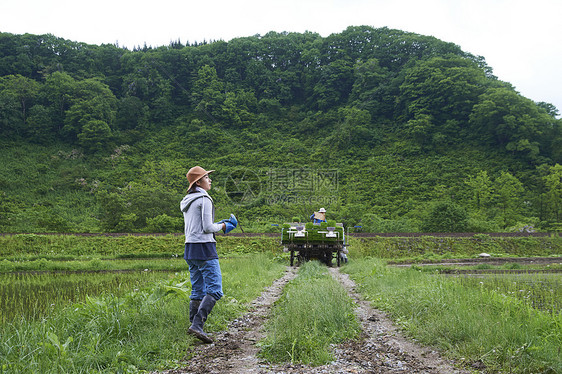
(207, 217)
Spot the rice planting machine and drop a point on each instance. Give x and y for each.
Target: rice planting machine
(323, 241)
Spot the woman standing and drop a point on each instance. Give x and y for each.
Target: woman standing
(200, 249)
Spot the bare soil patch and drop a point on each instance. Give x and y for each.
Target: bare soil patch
(381, 348)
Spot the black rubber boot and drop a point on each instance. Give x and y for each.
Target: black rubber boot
(193, 309)
(199, 319)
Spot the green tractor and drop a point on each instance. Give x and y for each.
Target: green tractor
(324, 241)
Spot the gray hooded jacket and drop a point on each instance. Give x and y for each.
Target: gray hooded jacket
(198, 214)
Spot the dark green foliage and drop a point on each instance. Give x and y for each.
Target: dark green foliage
(446, 217)
(95, 136)
(99, 138)
(138, 205)
(164, 223)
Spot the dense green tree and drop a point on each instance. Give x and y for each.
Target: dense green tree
(208, 95)
(446, 216)
(21, 90)
(549, 108)
(553, 182)
(58, 93)
(106, 61)
(131, 113)
(92, 101)
(511, 121)
(10, 114)
(40, 124)
(24, 89)
(445, 89)
(368, 87)
(481, 188)
(334, 85)
(507, 195)
(239, 107)
(95, 136)
(421, 129)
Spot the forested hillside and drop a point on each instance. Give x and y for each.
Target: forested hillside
(389, 130)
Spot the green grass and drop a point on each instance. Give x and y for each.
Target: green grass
(140, 330)
(313, 313)
(511, 324)
(466, 322)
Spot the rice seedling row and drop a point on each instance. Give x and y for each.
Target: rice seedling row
(35, 295)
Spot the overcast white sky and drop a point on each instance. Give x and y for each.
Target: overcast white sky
(520, 39)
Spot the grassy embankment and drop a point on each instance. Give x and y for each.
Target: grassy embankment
(433, 248)
(25, 247)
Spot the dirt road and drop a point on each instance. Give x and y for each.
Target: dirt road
(380, 349)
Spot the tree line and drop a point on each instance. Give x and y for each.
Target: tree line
(367, 98)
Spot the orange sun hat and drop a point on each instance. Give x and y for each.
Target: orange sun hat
(196, 173)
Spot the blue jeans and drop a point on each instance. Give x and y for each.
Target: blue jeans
(206, 279)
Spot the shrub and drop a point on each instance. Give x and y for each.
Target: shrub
(446, 216)
(164, 223)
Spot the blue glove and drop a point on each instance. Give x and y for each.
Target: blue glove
(230, 224)
(232, 220)
(221, 221)
(228, 227)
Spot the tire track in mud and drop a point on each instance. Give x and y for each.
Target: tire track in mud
(381, 348)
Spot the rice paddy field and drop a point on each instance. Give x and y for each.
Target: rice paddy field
(97, 304)
(540, 291)
(114, 321)
(36, 295)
